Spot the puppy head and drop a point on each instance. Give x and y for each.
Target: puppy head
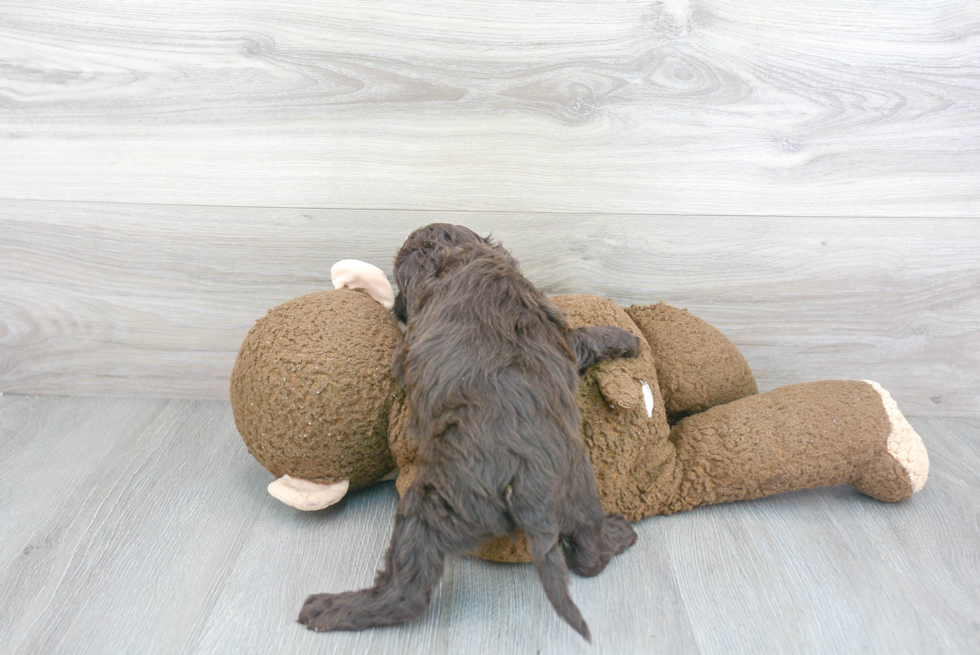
(426, 253)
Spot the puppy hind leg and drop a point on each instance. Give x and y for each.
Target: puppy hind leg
(402, 589)
(590, 547)
(591, 538)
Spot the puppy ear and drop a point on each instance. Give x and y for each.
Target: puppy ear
(418, 264)
(401, 308)
(414, 269)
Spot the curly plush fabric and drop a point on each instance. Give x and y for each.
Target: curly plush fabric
(312, 388)
(698, 366)
(737, 445)
(814, 434)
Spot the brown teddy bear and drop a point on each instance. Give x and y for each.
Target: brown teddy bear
(681, 425)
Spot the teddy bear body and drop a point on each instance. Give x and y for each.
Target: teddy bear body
(679, 426)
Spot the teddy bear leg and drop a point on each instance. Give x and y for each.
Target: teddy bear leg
(798, 437)
(905, 461)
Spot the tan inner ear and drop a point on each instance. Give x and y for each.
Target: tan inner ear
(355, 274)
(305, 495)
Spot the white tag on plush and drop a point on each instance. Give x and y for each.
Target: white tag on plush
(647, 398)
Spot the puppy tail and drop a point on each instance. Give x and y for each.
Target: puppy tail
(553, 573)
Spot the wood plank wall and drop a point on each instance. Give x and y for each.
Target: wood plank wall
(804, 176)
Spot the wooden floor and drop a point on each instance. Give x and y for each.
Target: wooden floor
(803, 175)
(143, 526)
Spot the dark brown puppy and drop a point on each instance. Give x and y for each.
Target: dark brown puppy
(490, 369)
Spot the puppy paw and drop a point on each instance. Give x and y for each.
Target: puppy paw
(317, 613)
(623, 344)
(590, 550)
(617, 533)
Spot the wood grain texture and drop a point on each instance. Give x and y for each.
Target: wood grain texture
(162, 540)
(671, 106)
(832, 571)
(127, 560)
(50, 435)
(155, 300)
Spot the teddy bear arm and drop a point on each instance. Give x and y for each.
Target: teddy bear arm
(624, 424)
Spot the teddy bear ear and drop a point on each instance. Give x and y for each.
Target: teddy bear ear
(305, 495)
(620, 389)
(355, 274)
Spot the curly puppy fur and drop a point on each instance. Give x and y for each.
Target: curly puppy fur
(490, 368)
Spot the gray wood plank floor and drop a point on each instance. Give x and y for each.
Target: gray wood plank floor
(143, 526)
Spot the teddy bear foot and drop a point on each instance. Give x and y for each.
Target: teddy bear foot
(305, 495)
(904, 469)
